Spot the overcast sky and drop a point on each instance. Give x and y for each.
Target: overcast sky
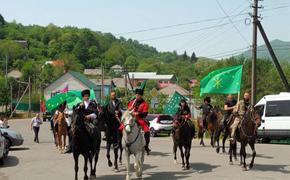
(201, 26)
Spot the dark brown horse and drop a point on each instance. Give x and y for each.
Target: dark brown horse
(113, 137)
(246, 134)
(224, 129)
(182, 137)
(213, 120)
(85, 143)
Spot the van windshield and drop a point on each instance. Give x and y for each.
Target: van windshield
(278, 108)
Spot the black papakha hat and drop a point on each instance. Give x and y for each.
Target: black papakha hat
(86, 92)
(139, 91)
(207, 99)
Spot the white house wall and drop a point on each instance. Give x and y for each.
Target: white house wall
(73, 84)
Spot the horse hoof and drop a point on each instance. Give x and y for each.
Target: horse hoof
(187, 167)
(231, 163)
(110, 164)
(244, 169)
(116, 170)
(224, 151)
(93, 176)
(217, 150)
(183, 168)
(86, 178)
(250, 166)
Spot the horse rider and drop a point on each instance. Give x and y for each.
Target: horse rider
(206, 108)
(183, 112)
(239, 111)
(114, 110)
(229, 106)
(141, 108)
(68, 115)
(90, 111)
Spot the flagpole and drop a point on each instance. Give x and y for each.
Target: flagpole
(239, 96)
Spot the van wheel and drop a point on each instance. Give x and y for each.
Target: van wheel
(1, 161)
(152, 132)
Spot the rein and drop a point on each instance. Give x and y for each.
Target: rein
(242, 129)
(129, 144)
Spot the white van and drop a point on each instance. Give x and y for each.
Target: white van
(275, 118)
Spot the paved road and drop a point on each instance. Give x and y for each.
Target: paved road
(42, 161)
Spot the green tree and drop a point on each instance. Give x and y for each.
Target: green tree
(193, 57)
(2, 21)
(71, 63)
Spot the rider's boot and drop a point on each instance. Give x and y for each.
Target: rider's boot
(147, 141)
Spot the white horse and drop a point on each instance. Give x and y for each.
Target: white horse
(133, 142)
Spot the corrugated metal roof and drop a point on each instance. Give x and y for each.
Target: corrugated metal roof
(169, 90)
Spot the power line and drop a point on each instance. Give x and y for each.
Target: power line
(178, 25)
(186, 32)
(242, 36)
(206, 36)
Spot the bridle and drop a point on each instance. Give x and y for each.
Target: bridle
(131, 125)
(250, 115)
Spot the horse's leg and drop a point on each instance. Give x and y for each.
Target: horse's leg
(128, 166)
(226, 134)
(182, 156)
(138, 162)
(91, 164)
(252, 145)
(120, 147)
(243, 152)
(211, 139)
(217, 140)
(201, 138)
(121, 154)
(76, 158)
(174, 152)
(187, 155)
(231, 153)
(86, 166)
(110, 164)
(235, 151)
(59, 141)
(116, 150)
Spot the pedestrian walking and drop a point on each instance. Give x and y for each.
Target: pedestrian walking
(35, 126)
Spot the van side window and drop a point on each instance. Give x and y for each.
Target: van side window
(278, 108)
(260, 108)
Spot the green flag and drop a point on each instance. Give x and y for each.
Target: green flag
(222, 81)
(173, 104)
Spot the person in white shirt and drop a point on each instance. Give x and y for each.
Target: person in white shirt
(35, 126)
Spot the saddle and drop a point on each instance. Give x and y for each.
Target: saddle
(90, 128)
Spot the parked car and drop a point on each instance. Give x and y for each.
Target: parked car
(160, 123)
(4, 148)
(14, 138)
(46, 116)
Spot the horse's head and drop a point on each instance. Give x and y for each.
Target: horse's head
(254, 115)
(60, 118)
(128, 121)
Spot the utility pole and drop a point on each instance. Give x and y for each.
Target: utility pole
(6, 71)
(102, 90)
(274, 58)
(29, 94)
(254, 52)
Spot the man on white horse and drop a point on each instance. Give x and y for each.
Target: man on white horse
(140, 110)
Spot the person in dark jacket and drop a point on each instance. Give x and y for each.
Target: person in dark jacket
(206, 108)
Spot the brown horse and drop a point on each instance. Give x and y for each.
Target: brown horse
(182, 137)
(246, 134)
(61, 131)
(213, 120)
